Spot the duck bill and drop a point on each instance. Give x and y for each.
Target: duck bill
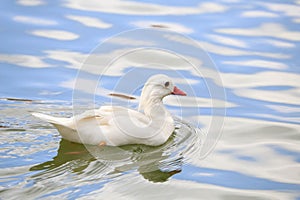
(177, 91)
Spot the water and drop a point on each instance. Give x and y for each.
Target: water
(255, 47)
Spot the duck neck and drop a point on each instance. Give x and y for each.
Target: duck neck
(154, 109)
(151, 104)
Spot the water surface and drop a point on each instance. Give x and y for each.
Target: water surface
(255, 47)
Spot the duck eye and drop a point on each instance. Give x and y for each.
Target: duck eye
(167, 84)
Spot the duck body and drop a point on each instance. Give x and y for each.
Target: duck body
(116, 125)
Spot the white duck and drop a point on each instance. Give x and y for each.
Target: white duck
(116, 125)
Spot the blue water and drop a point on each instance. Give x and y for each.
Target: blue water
(247, 56)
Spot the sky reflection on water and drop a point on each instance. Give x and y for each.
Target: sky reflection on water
(254, 45)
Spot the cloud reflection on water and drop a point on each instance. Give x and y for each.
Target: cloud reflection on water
(254, 45)
(143, 8)
(31, 2)
(55, 34)
(255, 139)
(90, 21)
(274, 30)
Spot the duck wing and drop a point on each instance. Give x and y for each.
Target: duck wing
(94, 126)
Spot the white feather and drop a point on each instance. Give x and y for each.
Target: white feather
(115, 125)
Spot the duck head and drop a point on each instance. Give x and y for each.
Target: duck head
(156, 88)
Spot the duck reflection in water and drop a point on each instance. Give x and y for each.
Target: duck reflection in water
(153, 163)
